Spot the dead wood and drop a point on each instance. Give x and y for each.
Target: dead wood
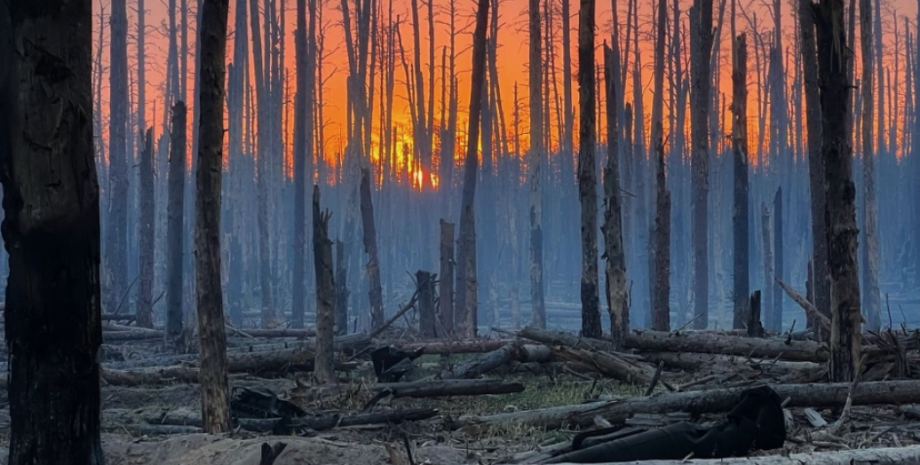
(271, 453)
(697, 402)
(491, 360)
(326, 422)
(451, 347)
(609, 364)
(714, 343)
(809, 308)
(880, 456)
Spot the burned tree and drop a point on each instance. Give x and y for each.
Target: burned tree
(840, 212)
(535, 159)
(116, 252)
(375, 291)
(446, 282)
(325, 292)
(215, 396)
(700, 85)
(615, 284)
(741, 216)
(174, 228)
(51, 232)
(660, 234)
(587, 178)
(146, 218)
(871, 301)
(466, 305)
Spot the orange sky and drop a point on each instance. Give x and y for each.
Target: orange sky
(512, 55)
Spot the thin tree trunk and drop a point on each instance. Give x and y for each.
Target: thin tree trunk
(215, 395)
(116, 254)
(816, 168)
(175, 228)
(538, 310)
(341, 290)
(375, 291)
(871, 301)
(298, 297)
(741, 211)
(51, 231)
(615, 269)
(841, 206)
(466, 275)
(325, 292)
(587, 178)
(701, 83)
(767, 256)
(660, 234)
(426, 316)
(774, 317)
(146, 218)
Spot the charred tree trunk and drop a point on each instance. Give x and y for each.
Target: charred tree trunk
(660, 234)
(767, 256)
(51, 232)
(615, 270)
(426, 317)
(816, 175)
(146, 218)
(840, 213)
(298, 298)
(116, 253)
(741, 212)
(446, 284)
(701, 84)
(774, 319)
(325, 292)
(538, 310)
(375, 290)
(466, 275)
(872, 299)
(587, 178)
(215, 395)
(175, 227)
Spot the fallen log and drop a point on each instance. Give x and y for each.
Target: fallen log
(327, 422)
(449, 347)
(450, 387)
(149, 376)
(659, 341)
(809, 308)
(550, 337)
(608, 364)
(130, 336)
(698, 402)
(879, 456)
(695, 361)
(489, 361)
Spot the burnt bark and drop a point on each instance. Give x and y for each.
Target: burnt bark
(534, 165)
(870, 251)
(375, 291)
(426, 316)
(298, 298)
(587, 177)
(325, 292)
(215, 396)
(660, 234)
(51, 232)
(741, 201)
(146, 219)
(774, 318)
(341, 290)
(840, 212)
(116, 253)
(174, 228)
(466, 303)
(701, 85)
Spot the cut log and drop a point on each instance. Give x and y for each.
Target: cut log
(712, 343)
(697, 402)
(880, 456)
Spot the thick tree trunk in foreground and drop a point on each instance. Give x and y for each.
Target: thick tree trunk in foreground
(174, 227)
(587, 178)
(741, 209)
(51, 232)
(840, 213)
(375, 291)
(700, 102)
(446, 284)
(872, 299)
(146, 218)
(215, 395)
(325, 292)
(615, 269)
(466, 305)
(534, 165)
(816, 174)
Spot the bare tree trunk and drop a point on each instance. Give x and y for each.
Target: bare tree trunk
(615, 270)
(51, 232)
(871, 301)
(375, 291)
(741, 211)
(816, 173)
(587, 178)
(840, 213)
(341, 290)
(298, 298)
(446, 284)
(215, 395)
(325, 292)
(116, 254)
(701, 83)
(146, 218)
(660, 234)
(426, 316)
(767, 244)
(538, 310)
(174, 228)
(466, 275)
